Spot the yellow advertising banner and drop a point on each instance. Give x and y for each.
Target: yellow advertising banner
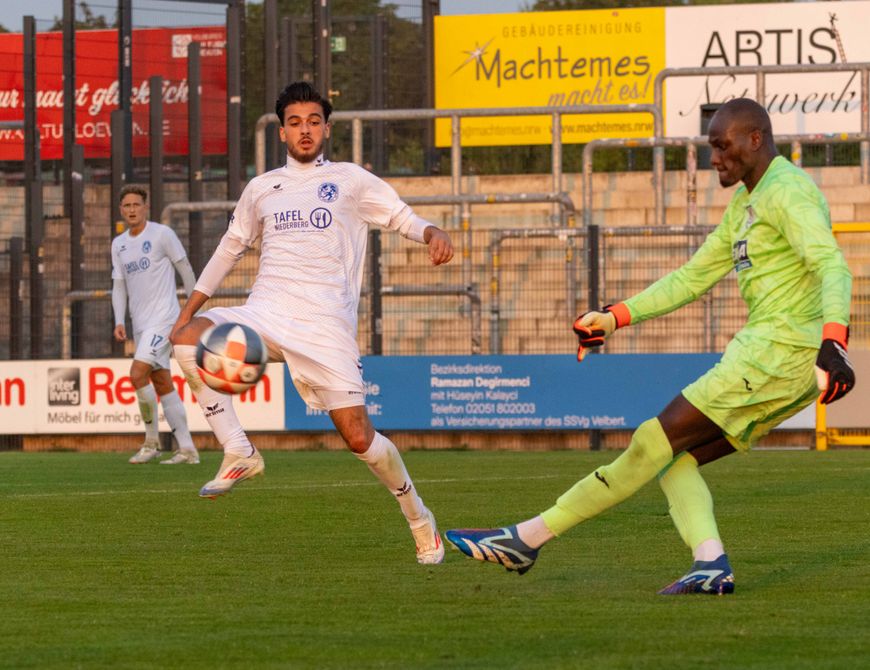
(538, 59)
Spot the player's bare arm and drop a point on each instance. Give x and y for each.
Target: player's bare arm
(120, 332)
(440, 245)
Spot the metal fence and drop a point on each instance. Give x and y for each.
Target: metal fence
(508, 291)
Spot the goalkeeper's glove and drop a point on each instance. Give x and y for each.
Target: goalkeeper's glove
(594, 327)
(834, 372)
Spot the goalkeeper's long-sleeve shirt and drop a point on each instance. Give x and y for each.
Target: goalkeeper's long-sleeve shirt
(790, 271)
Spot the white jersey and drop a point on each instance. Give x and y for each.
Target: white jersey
(313, 220)
(145, 263)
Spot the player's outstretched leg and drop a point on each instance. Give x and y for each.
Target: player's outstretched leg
(241, 460)
(710, 577)
(495, 545)
(516, 547)
(385, 462)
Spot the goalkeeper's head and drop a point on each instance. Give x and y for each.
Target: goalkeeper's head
(741, 139)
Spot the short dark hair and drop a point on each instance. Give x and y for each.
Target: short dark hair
(301, 91)
(133, 188)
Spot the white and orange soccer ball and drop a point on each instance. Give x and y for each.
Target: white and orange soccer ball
(231, 357)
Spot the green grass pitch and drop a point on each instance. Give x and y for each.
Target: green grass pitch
(108, 565)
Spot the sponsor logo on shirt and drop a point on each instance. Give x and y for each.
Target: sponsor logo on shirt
(146, 246)
(320, 217)
(291, 219)
(740, 255)
(144, 263)
(327, 192)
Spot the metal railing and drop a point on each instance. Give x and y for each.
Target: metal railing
(357, 117)
(692, 143)
(493, 262)
(73, 297)
(466, 200)
(760, 73)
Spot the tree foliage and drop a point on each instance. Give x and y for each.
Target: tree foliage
(85, 19)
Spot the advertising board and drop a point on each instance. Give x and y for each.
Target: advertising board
(156, 51)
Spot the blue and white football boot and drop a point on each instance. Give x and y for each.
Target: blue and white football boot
(710, 577)
(495, 545)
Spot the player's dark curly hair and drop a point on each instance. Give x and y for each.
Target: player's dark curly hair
(301, 91)
(133, 188)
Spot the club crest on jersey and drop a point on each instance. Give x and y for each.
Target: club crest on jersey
(146, 246)
(750, 218)
(327, 192)
(320, 217)
(740, 255)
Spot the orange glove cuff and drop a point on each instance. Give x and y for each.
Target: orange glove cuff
(620, 313)
(831, 331)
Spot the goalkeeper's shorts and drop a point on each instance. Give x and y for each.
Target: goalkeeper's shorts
(755, 386)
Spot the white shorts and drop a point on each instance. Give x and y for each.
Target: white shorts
(323, 363)
(153, 346)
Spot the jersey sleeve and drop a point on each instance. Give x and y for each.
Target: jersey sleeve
(379, 204)
(710, 263)
(804, 219)
(172, 246)
(244, 226)
(117, 267)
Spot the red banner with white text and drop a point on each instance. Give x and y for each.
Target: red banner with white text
(155, 51)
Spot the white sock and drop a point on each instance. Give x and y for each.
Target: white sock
(534, 532)
(709, 550)
(148, 409)
(217, 407)
(386, 464)
(173, 410)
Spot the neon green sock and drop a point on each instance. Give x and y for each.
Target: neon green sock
(689, 501)
(609, 485)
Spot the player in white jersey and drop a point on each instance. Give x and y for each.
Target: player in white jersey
(312, 218)
(145, 258)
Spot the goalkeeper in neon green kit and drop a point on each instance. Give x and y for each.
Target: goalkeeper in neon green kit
(776, 234)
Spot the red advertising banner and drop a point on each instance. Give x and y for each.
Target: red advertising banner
(156, 51)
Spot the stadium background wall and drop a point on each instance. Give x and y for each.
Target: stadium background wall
(533, 315)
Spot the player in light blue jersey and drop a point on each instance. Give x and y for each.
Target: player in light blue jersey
(145, 259)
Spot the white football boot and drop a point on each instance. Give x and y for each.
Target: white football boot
(147, 452)
(190, 456)
(430, 548)
(234, 469)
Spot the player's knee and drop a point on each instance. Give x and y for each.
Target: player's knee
(648, 438)
(357, 442)
(140, 376)
(190, 333)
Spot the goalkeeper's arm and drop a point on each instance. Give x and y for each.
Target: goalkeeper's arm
(592, 328)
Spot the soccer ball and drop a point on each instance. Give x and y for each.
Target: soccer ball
(231, 358)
